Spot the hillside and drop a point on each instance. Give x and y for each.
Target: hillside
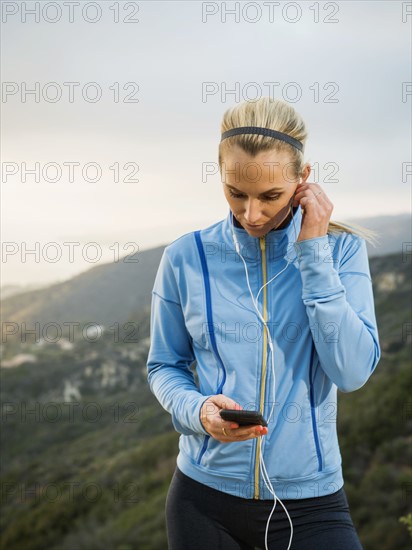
(105, 294)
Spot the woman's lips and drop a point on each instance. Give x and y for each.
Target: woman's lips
(253, 226)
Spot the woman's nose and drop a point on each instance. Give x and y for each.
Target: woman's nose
(253, 213)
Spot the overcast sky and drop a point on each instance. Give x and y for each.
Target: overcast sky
(165, 78)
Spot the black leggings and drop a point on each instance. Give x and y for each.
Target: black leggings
(199, 517)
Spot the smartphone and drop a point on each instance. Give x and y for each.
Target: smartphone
(242, 417)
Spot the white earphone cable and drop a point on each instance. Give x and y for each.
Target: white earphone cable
(264, 473)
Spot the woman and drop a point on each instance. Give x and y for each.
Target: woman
(275, 305)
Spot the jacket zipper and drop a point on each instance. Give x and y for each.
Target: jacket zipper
(262, 241)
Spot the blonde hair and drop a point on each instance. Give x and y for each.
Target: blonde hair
(278, 115)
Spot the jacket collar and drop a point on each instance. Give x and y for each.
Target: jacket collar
(278, 242)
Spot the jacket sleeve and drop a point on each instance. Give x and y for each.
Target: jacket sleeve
(171, 354)
(341, 311)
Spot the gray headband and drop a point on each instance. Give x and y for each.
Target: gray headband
(264, 132)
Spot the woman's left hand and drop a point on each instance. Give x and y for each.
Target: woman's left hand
(316, 210)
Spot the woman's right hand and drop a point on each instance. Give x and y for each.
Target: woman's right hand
(213, 422)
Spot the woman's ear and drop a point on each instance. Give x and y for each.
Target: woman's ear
(305, 174)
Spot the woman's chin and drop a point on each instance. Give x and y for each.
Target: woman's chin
(256, 231)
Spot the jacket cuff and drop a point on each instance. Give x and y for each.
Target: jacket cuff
(200, 427)
(316, 266)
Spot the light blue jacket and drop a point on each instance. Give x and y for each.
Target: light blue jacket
(321, 317)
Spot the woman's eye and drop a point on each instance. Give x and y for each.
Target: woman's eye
(235, 195)
(274, 198)
(240, 196)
